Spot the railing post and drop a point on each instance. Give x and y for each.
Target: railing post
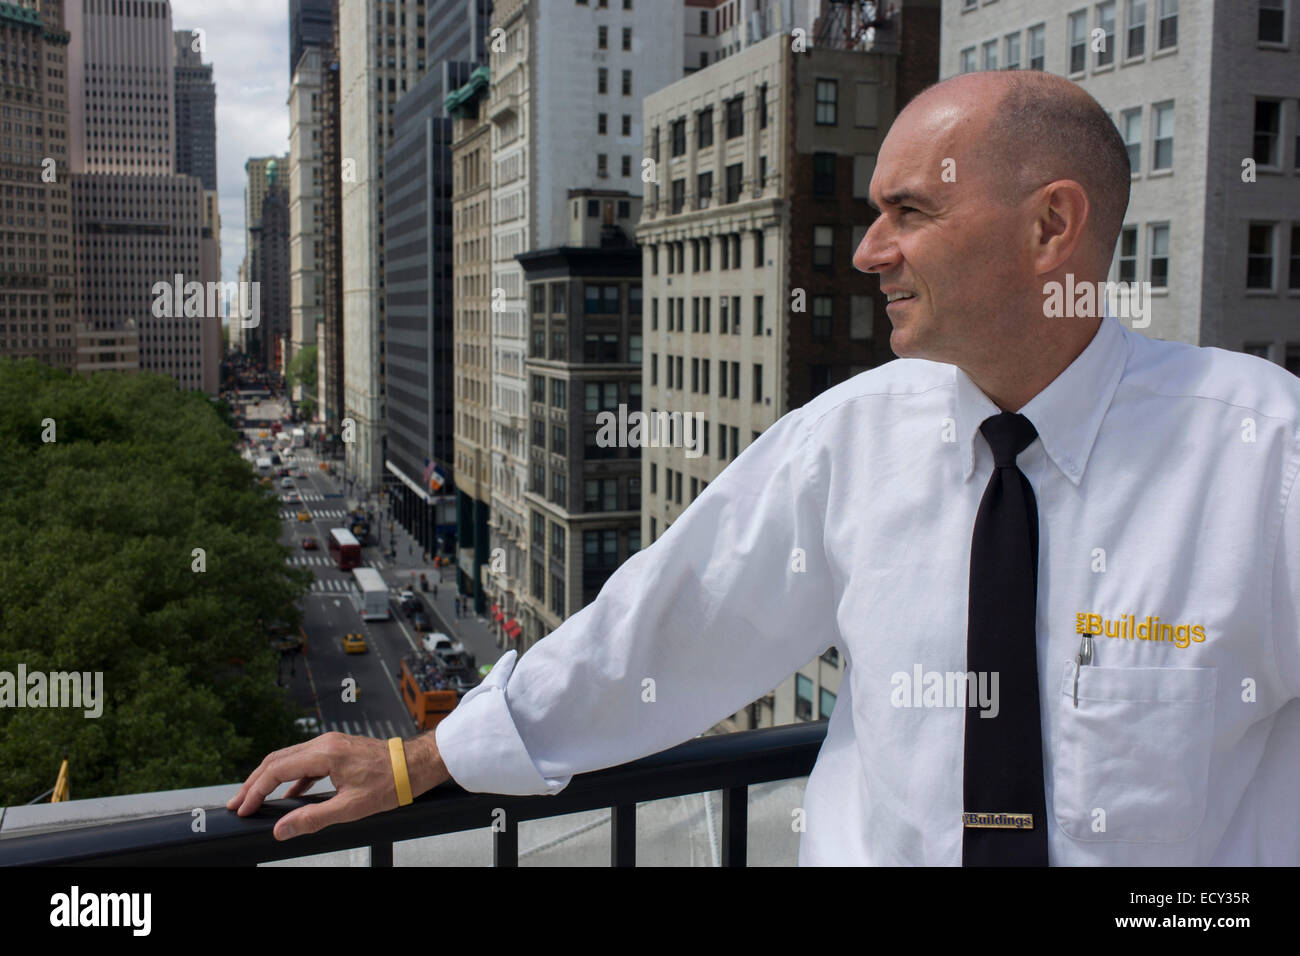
(623, 837)
(381, 854)
(735, 825)
(505, 845)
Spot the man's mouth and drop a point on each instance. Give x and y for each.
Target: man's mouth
(896, 296)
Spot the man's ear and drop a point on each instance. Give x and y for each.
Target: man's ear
(1061, 213)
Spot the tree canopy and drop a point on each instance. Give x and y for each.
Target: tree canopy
(98, 572)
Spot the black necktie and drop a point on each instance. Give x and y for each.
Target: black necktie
(1005, 818)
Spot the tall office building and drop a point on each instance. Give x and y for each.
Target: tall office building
(269, 268)
(257, 184)
(471, 201)
(584, 363)
(556, 126)
(36, 264)
(196, 112)
(418, 303)
(306, 246)
(1207, 97)
(329, 336)
(385, 48)
(763, 163)
(311, 24)
(136, 221)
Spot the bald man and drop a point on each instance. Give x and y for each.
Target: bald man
(1058, 559)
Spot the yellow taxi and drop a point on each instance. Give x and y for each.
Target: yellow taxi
(263, 434)
(354, 644)
(304, 515)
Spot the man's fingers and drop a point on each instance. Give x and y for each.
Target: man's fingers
(316, 816)
(301, 787)
(312, 761)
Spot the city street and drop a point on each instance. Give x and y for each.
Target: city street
(316, 677)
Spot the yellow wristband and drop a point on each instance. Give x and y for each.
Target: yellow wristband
(397, 752)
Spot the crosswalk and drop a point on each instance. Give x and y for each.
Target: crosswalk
(366, 728)
(341, 586)
(321, 561)
(316, 513)
(310, 495)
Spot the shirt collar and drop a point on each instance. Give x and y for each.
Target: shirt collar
(1067, 414)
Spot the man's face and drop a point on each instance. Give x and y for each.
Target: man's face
(942, 237)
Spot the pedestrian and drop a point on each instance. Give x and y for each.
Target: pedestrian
(1059, 559)
(435, 590)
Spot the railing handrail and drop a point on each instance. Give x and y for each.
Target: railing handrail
(728, 762)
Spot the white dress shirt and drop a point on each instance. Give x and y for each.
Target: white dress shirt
(1164, 476)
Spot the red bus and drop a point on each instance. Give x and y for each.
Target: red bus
(345, 549)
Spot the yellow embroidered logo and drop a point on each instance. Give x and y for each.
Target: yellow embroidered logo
(1130, 628)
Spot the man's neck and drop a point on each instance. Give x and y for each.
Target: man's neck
(1011, 385)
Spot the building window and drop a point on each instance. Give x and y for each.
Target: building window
(822, 313)
(600, 346)
(559, 298)
(602, 165)
(758, 249)
(559, 346)
(758, 315)
(1163, 150)
(1136, 29)
(823, 174)
(703, 191)
(678, 196)
(602, 80)
(1259, 256)
(557, 595)
(1272, 21)
(677, 135)
(758, 383)
(826, 703)
(558, 488)
(762, 106)
(722, 315)
(1013, 51)
(1106, 24)
(600, 299)
(822, 247)
(735, 393)
(627, 82)
(1167, 25)
(1078, 34)
(1267, 143)
(539, 388)
(539, 478)
(627, 124)
(704, 128)
(1128, 252)
(990, 52)
(1158, 256)
(1293, 280)
(557, 393)
(627, 38)
(735, 116)
(539, 300)
(1037, 47)
(733, 181)
(602, 38)
(827, 102)
(539, 576)
(600, 123)
(1131, 125)
(803, 701)
(558, 443)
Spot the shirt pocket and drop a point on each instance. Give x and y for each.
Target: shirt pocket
(1137, 749)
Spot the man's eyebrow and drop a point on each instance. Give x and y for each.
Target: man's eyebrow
(899, 197)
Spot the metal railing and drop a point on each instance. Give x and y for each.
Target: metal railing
(726, 762)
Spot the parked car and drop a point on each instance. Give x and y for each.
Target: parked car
(286, 481)
(309, 544)
(293, 498)
(439, 643)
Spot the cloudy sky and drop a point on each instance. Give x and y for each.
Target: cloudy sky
(247, 43)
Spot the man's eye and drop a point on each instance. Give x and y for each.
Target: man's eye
(903, 209)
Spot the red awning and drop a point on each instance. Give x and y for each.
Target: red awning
(498, 615)
(495, 609)
(513, 627)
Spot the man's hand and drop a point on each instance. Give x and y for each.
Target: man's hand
(360, 768)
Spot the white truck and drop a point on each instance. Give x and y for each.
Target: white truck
(264, 465)
(299, 438)
(371, 595)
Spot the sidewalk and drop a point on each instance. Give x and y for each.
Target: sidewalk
(472, 630)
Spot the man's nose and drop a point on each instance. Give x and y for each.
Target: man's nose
(877, 251)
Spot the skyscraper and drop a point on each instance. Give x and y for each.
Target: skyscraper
(36, 284)
(311, 23)
(196, 112)
(306, 248)
(385, 48)
(137, 223)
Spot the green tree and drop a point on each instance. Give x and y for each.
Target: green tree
(98, 536)
(302, 369)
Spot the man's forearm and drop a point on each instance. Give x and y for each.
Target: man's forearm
(424, 766)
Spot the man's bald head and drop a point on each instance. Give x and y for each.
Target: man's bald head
(1040, 128)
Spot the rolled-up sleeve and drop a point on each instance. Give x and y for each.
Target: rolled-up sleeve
(1286, 578)
(734, 597)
